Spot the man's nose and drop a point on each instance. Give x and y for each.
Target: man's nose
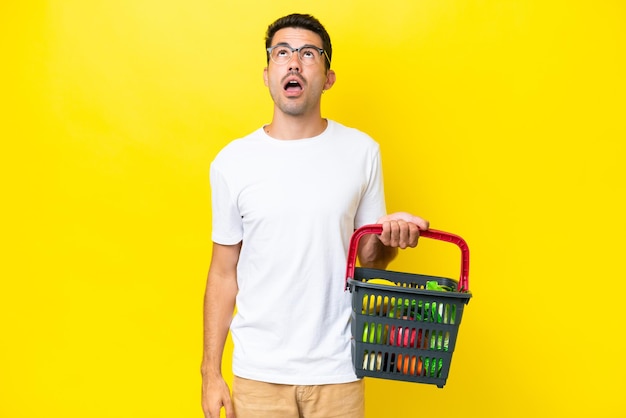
(294, 62)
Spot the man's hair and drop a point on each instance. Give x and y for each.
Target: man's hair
(302, 21)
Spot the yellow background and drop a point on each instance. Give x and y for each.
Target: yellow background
(501, 121)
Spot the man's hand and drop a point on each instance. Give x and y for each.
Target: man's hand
(401, 229)
(215, 395)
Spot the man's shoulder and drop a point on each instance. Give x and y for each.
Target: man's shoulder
(238, 145)
(351, 133)
(252, 136)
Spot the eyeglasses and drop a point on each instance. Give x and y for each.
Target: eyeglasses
(308, 54)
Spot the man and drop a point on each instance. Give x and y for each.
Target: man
(286, 200)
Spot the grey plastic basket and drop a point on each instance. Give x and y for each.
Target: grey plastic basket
(405, 332)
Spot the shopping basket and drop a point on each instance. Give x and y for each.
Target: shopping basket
(406, 331)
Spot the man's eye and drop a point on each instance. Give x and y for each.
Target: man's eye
(282, 53)
(308, 53)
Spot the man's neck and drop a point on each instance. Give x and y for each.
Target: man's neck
(295, 127)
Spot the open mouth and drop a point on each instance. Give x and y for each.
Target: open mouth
(293, 85)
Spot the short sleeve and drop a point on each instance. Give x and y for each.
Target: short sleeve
(227, 228)
(372, 205)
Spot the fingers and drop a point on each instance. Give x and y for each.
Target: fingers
(229, 410)
(422, 223)
(215, 412)
(399, 233)
(210, 411)
(411, 237)
(216, 396)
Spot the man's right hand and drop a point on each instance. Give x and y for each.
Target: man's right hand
(215, 396)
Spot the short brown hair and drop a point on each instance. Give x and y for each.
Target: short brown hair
(302, 21)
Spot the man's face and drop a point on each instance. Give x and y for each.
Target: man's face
(296, 88)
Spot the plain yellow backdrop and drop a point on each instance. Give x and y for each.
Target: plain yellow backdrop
(501, 121)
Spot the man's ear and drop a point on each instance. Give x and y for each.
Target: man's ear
(265, 77)
(331, 77)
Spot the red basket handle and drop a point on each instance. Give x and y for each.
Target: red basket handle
(377, 229)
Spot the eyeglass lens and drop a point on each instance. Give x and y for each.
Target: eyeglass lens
(283, 54)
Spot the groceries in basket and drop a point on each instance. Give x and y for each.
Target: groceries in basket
(373, 305)
(413, 310)
(407, 308)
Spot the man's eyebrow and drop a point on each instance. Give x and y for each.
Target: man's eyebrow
(303, 46)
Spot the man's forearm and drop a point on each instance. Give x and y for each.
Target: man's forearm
(374, 254)
(219, 305)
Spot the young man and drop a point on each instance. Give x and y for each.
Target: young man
(286, 200)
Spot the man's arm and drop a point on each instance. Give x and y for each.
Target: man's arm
(219, 305)
(400, 230)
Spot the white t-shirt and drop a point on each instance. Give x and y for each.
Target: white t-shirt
(294, 204)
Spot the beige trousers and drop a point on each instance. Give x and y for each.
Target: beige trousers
(253, 399)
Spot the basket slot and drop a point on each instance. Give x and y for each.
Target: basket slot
(433, 366)
(375, 333)
(412, 309)
(407, 336)
(376, 305)
(430, 311)
(378, 361)
(411, 365)
(436, 340)
(404, 363)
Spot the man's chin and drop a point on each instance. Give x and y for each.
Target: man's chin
(292, 109)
